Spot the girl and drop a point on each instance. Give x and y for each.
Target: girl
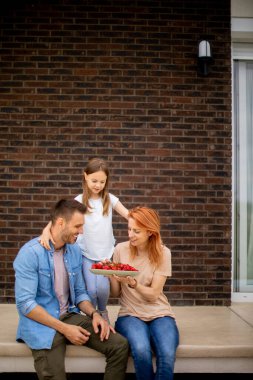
(97, 240)
(145, 317)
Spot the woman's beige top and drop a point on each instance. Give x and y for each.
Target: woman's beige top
(131, 301)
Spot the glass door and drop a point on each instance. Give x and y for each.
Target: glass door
(243, 177)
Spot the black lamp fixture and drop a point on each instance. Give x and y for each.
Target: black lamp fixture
(204, 57)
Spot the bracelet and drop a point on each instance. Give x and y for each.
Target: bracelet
(134, 285)
(92, 314)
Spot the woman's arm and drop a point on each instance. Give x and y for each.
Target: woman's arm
(46, 236)
(115, 286)
(122, 210)
(149, 293)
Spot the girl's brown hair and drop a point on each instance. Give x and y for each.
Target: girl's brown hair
(95, 165)
(149, 220)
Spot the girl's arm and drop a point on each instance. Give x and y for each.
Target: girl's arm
(46, 236)
(122, 210)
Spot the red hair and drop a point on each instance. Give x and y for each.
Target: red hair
(148, 219)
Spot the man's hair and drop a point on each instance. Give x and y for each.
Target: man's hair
(65, 208)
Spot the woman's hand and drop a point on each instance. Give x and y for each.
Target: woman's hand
(127, 280)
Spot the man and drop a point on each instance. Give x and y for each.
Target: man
(50, 293)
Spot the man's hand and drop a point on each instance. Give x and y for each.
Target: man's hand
(76, 334)
(101, 324)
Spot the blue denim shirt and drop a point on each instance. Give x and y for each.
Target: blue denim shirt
(34, 285)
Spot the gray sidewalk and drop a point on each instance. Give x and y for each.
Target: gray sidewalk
(217, 340)
(177, 376)
(244, 311)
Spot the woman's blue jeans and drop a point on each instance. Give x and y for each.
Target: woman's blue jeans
(160, 336)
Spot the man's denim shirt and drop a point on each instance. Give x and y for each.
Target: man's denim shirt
(34, 285)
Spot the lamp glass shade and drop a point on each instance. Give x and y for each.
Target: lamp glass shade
(204, 49)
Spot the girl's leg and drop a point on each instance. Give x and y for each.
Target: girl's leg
(90, 280)
(98, 288)
(137, 334)
(103, 292)
(164, 339)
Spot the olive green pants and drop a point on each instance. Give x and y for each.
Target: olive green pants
(50, 363)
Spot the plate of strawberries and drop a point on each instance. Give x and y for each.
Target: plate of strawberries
(107, 268)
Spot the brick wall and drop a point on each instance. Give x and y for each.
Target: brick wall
(118, 79)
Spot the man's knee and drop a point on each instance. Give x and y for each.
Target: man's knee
(124, 343)
(119, 344)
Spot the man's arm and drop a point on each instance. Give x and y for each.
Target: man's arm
(75, 334)
(26, 285)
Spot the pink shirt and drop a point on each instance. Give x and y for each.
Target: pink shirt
(61, 281)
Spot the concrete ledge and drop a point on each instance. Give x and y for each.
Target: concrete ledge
(212, 340)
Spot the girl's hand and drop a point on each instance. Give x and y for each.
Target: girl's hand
(45, 237)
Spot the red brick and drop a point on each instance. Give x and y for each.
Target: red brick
(121, 83)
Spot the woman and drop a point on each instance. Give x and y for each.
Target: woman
(145, 316)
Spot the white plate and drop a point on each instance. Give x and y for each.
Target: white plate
(108, 272)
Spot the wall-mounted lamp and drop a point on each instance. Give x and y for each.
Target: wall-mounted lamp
(204, 57)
